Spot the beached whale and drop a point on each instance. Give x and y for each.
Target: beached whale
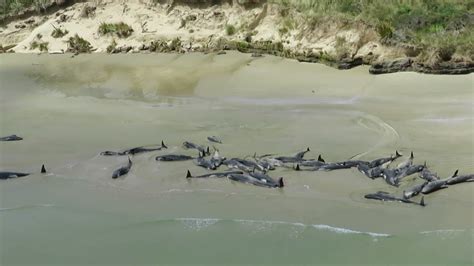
(298, 157)
(414, 190)
(219, 175)
(372, 172)
(208, 164)
(427, 175)
(381, 161)
(135, 150)
(200, 148)
(248, 179)
(455, 179)
(385, 196)
(173, 158)
(393, 176)
(434, 186)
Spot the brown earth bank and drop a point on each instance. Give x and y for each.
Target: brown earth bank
(181, 26)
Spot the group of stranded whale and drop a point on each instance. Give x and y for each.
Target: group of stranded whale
(255, 170)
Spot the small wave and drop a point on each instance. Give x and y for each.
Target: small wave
(347, 231)
(178, 190)
(197, 224)
(27, 207)
(264, 225)
(444, 120)
(294, 101)
(445, 231)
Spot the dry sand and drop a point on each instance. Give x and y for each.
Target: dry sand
(202, 28)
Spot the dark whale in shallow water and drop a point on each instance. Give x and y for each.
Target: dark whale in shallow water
(455, 179)
(248, 179)
(200, 148)
(381, 161)
(219, 175)
(173, 158)
(235, 163)
(208, 164)
(135, 150)
(371, 172)
(427, 175)
(214, 139)
(9, 175)
(298, 157)
(385, 196)
(122, 170)
(11, 138)
(413, 191)
(393, 176)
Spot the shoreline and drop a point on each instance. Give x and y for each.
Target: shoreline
(258, 30)
(388, 67)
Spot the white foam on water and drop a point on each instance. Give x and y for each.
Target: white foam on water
(264, 225)
(444, 231)
(347, 231)
(197, 224)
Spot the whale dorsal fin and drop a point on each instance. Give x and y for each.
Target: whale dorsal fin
(280, 182)
(455, 173)
(188, 174)
(43, 169)
(320, 159)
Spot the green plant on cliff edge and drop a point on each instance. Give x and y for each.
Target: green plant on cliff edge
(120, 29)
(230, 29)
(58, 33)
(77, 44)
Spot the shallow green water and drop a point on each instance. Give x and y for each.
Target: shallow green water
(70, 109)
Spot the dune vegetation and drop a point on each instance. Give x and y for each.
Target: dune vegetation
(433, 34)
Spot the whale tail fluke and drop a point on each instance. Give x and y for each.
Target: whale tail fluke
(163, 145)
